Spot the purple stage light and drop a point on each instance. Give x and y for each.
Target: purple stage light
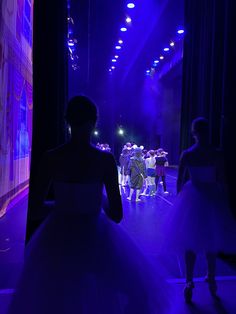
(113, 67)
(118, 47)
(113, 60)
(180, 31)
(120, 41)
(116, 56)
(161, 57)
(128, 20)
(123, 29)
(166, 49)
(172, 44)
(130, 5)
(156, 61)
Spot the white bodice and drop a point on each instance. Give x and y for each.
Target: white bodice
(202, 174)
(150, 163)
(84, 198)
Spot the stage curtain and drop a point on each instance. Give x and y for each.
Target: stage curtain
(49, 85)
(209, 76)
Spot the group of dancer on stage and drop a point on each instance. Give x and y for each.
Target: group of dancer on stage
(80, 260)
(104, 146)
(141, 170)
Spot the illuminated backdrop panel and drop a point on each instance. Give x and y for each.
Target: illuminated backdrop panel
(15, 97)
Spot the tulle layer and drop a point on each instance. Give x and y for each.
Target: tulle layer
(87, 264)
(200, 220)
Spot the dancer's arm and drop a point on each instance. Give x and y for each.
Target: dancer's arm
(40, 184)
(114, 208)
(182, 172)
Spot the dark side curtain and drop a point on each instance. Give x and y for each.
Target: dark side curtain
(49, 84)
(209, 83)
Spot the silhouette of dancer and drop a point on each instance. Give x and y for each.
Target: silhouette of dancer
(201, 220)
(80, 260)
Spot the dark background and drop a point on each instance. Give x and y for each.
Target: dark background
(155, 111)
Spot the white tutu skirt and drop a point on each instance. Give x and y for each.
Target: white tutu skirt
(200, 220)
(87, 264)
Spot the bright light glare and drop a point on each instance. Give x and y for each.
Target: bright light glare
(121, 131)
(130, 5)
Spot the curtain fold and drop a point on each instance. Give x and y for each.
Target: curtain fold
(209, 75)
(49, 85)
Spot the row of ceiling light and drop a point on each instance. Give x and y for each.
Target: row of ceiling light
(123, 29)
(72, 43)
(170, 47)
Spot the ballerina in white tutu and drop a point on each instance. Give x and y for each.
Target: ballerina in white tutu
(201, 220)
(80, 261)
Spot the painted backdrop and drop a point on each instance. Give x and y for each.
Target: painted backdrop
(15, 97)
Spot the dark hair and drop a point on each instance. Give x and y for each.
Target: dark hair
(151, 152)
(81, 110)
(125, 151)
(200, 127)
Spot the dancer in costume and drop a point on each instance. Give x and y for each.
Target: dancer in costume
(137, 170)
(80, 260)
(150, 169)
(124, 164)
(200, 220)
(161, 163)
